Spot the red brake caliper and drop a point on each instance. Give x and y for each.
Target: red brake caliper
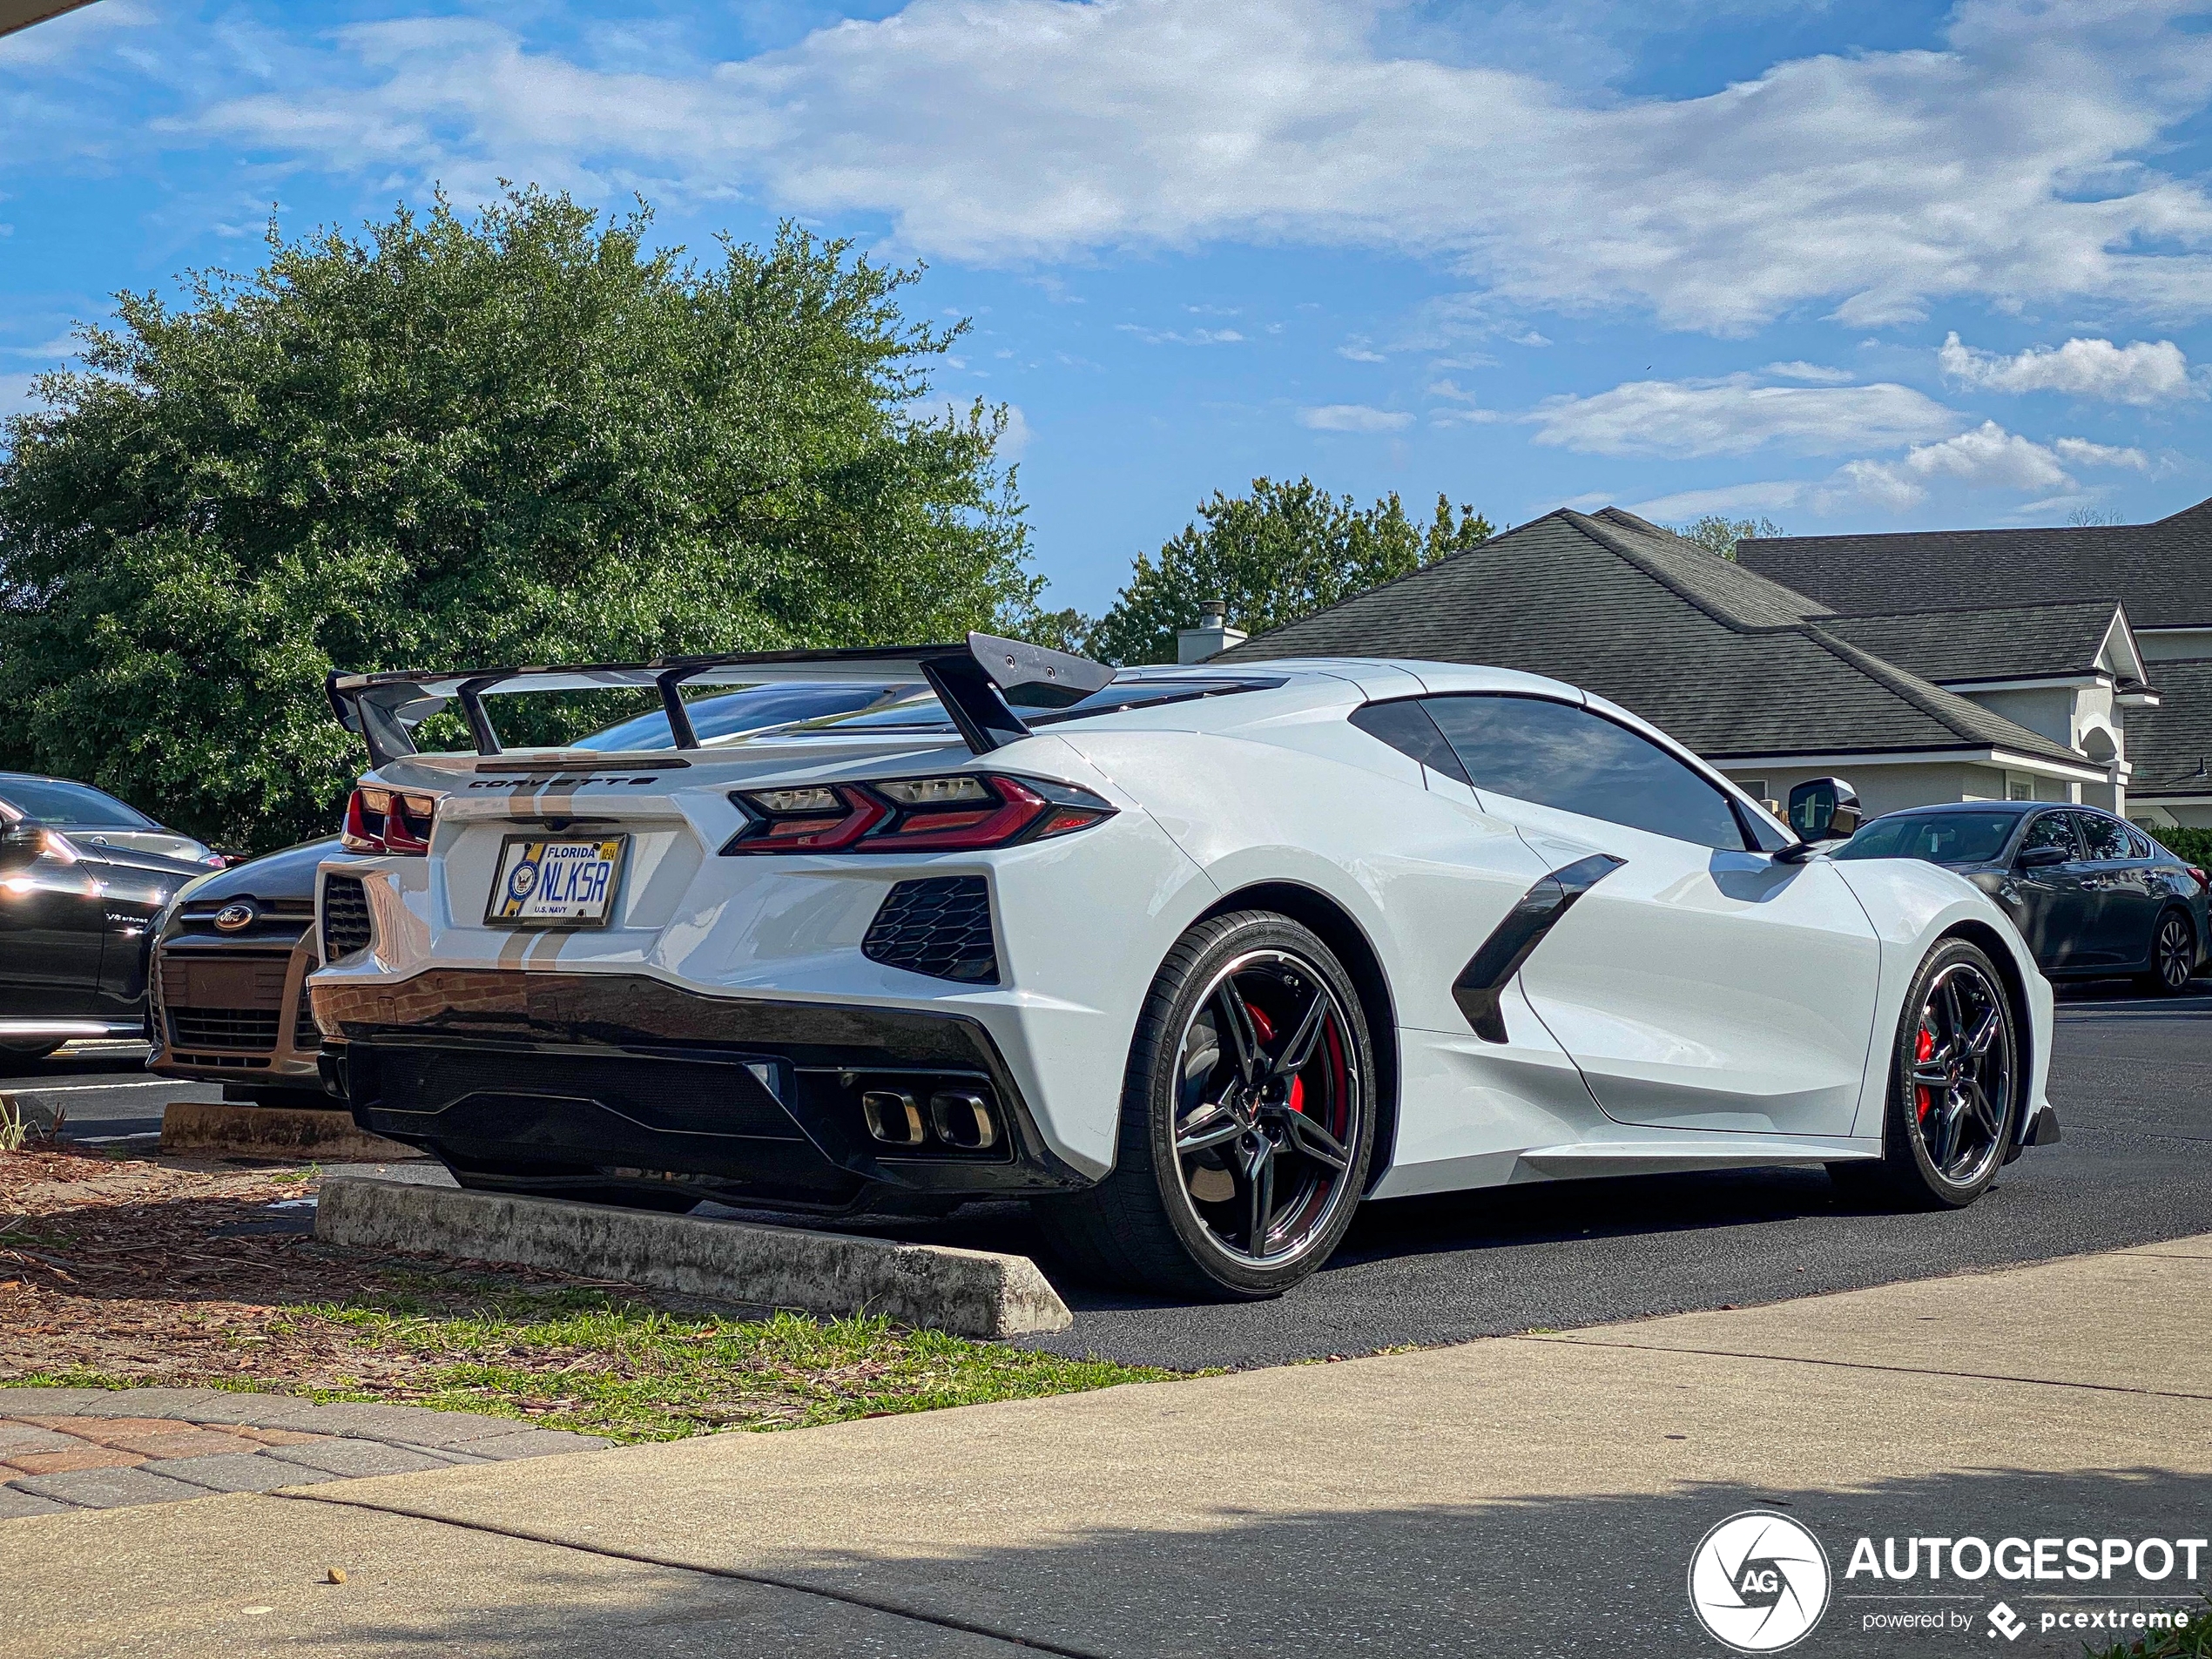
(1265, 1027)
(1923, 1051)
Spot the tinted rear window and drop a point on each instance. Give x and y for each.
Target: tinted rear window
(54, 801)
(1936, 838)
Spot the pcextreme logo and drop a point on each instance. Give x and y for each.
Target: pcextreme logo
(1759, 1582)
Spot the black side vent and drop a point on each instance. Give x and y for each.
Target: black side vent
(940, 927)
(345, 917)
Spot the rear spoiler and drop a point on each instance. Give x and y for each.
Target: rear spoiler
(979, 682)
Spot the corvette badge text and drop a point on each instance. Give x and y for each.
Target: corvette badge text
(1760, 1583)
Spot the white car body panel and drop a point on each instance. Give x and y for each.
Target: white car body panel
(1696, 1009)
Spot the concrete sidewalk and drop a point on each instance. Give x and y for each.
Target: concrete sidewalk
(1526, 1495)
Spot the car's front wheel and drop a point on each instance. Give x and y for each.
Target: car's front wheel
(1248, 1120)
(2173, 955)
(1957, 1075)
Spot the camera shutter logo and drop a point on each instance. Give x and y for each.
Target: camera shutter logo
(1759, 1582)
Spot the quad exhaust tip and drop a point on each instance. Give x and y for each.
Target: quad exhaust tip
(960, 1118)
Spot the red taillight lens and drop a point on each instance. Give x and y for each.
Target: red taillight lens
(962, 812)
(388, 821)
(2202, 881)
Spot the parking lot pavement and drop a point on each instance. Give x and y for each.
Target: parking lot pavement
(101, 1091)
(2131, 1078)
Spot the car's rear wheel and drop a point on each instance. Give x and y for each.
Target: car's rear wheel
(2173, 955)
(1957, 1075)
(1248, 1120)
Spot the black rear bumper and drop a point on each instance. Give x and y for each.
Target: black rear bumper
(554, 1080)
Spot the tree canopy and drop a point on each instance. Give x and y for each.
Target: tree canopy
(1719, 534)
(517, 437)
(1283, 551)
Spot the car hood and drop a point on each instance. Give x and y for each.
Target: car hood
(287, 874)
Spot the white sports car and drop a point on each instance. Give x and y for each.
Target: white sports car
(1194, 959)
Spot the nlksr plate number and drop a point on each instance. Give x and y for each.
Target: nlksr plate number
(544, 882)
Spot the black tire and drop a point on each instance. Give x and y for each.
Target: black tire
(2173, 955)
(1204, 1132)
(1957, 1078)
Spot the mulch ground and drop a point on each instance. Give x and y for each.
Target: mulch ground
(192, 1274)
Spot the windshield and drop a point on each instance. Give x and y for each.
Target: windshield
(1938, 838)
(50, 800)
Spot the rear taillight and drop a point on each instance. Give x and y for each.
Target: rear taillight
(388, 821)
(2203, 881)
(962, 813)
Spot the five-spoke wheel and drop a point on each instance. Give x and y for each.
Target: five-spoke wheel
(1958, 1083)
(1247, 1120)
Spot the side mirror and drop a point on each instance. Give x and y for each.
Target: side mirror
(1824, 809)
(2042, 858)
(21, 842)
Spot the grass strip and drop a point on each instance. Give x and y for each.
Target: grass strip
(627, 1370)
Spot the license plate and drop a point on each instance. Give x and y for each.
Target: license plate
(546, 881)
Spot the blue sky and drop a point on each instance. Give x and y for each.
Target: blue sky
(1865, 267)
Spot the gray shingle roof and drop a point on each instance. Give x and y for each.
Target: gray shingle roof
(2170, 747)
(2007, 642)
(2161, 571)
(1719, 656)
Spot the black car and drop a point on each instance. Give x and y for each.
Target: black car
(2094, 896)
(82, 876)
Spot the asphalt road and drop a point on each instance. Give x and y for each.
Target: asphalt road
(2131, 1078)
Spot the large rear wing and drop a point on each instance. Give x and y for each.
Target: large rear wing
(980, 683)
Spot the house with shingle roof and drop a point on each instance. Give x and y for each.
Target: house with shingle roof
(2159, 575)
(1770, 684)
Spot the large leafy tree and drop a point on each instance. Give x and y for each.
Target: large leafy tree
(1282, 552)
(516, 437)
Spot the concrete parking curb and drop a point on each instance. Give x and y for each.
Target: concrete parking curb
(287, 1134)
(968, 1292)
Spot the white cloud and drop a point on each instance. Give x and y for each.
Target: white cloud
(1687, 504)
(1359, 351)
(1988, 457)
(1171, 337)
(2015, 162)
(2141, 371)
(2082, 453)
(1353, 417)
(1812, 373)
(16, 395)
(1733, 415)
(72, 34)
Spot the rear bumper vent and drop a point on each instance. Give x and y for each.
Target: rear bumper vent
(345, 917)
(940, 927)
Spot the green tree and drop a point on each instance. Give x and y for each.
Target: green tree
(1718, 534)
(1282, 552)
(519, 437)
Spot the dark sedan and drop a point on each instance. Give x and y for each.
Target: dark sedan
(2094, 896)
(82, 876)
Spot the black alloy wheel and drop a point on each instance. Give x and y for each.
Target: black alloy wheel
(1248, 1121)
(1958, 1081)
(2173, 955)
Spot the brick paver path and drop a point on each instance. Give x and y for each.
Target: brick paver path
(97, 1448)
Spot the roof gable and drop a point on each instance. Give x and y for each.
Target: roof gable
(1721, 658)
